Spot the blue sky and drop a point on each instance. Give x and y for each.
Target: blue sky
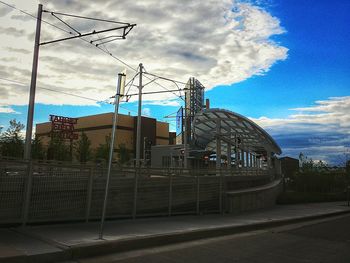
(317, 67)
(289, 92)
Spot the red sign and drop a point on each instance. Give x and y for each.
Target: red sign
(63, 127)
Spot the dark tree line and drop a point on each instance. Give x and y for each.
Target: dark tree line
(12, 145)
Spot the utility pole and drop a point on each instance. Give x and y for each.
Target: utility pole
(29, 127)
(138, 132)
(111, 148)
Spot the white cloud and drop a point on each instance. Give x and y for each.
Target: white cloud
(219, 42)
(146, 111)
(321, 131)
(173, 103)
(324, 115)
(4, 109)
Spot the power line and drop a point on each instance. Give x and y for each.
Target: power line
(154, 92)
(62, 92)
(66, 93)
(85, 17)
(68, 32)
(118, 59)
(68, 25)
(169, 79)
(104, 51)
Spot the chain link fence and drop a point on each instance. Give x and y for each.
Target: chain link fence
(32, 192)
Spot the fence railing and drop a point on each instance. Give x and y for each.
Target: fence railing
(32, 192)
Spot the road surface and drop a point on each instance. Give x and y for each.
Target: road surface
(326, 240)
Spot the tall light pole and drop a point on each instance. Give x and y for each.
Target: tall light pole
(111, 148)
(138, 131)
(29, 127)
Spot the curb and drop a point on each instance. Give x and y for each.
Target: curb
(113, 246)
(116, 246)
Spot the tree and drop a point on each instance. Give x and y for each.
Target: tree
(58, 150)
(102, 151)
(124, 154)
(38, 151)
(82, 148)
(305, 163)
(11, 141)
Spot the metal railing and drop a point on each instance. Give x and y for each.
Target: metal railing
(32, 192)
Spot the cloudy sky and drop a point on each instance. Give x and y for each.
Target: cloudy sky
(283, 63)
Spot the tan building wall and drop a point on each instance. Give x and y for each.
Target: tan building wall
(97, 127)
(162, 133)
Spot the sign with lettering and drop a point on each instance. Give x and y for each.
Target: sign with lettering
(63, 127)
(179, 119)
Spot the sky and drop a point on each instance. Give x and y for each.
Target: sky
(283, 63)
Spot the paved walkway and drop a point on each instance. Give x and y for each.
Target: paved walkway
(67, 241)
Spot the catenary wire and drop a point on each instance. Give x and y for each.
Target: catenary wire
(89, 18)
(89, 42)
(66, 93)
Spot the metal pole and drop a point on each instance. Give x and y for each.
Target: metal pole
(138, 132)
(144, 150)
(111, 148)
(28, 194)
(136, 185)
(236, 152)
(229, 146)
(170, 200)
(221, 193)
(185, 143)
(197, 195)
(186, 132)
(89, 194)
(29, 128)
(218, 145)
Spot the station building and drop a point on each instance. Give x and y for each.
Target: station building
(215, 138)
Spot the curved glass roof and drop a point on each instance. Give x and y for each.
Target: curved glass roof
(251, 136)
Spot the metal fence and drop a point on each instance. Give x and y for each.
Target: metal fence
(32, 192)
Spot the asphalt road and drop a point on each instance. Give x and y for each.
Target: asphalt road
(327, 241)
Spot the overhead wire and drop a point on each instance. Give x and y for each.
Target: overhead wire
(68, 32)
(68, 25)
(103, 44)
(109, 53)
(88, 18)
(104, 51)
(66, 93)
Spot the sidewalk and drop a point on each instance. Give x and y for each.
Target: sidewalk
(52, 243)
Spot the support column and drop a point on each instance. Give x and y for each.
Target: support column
(218, 144)
(229, 155)
(255, 161)
(268, 156)
(236, 152)
(242, 158)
